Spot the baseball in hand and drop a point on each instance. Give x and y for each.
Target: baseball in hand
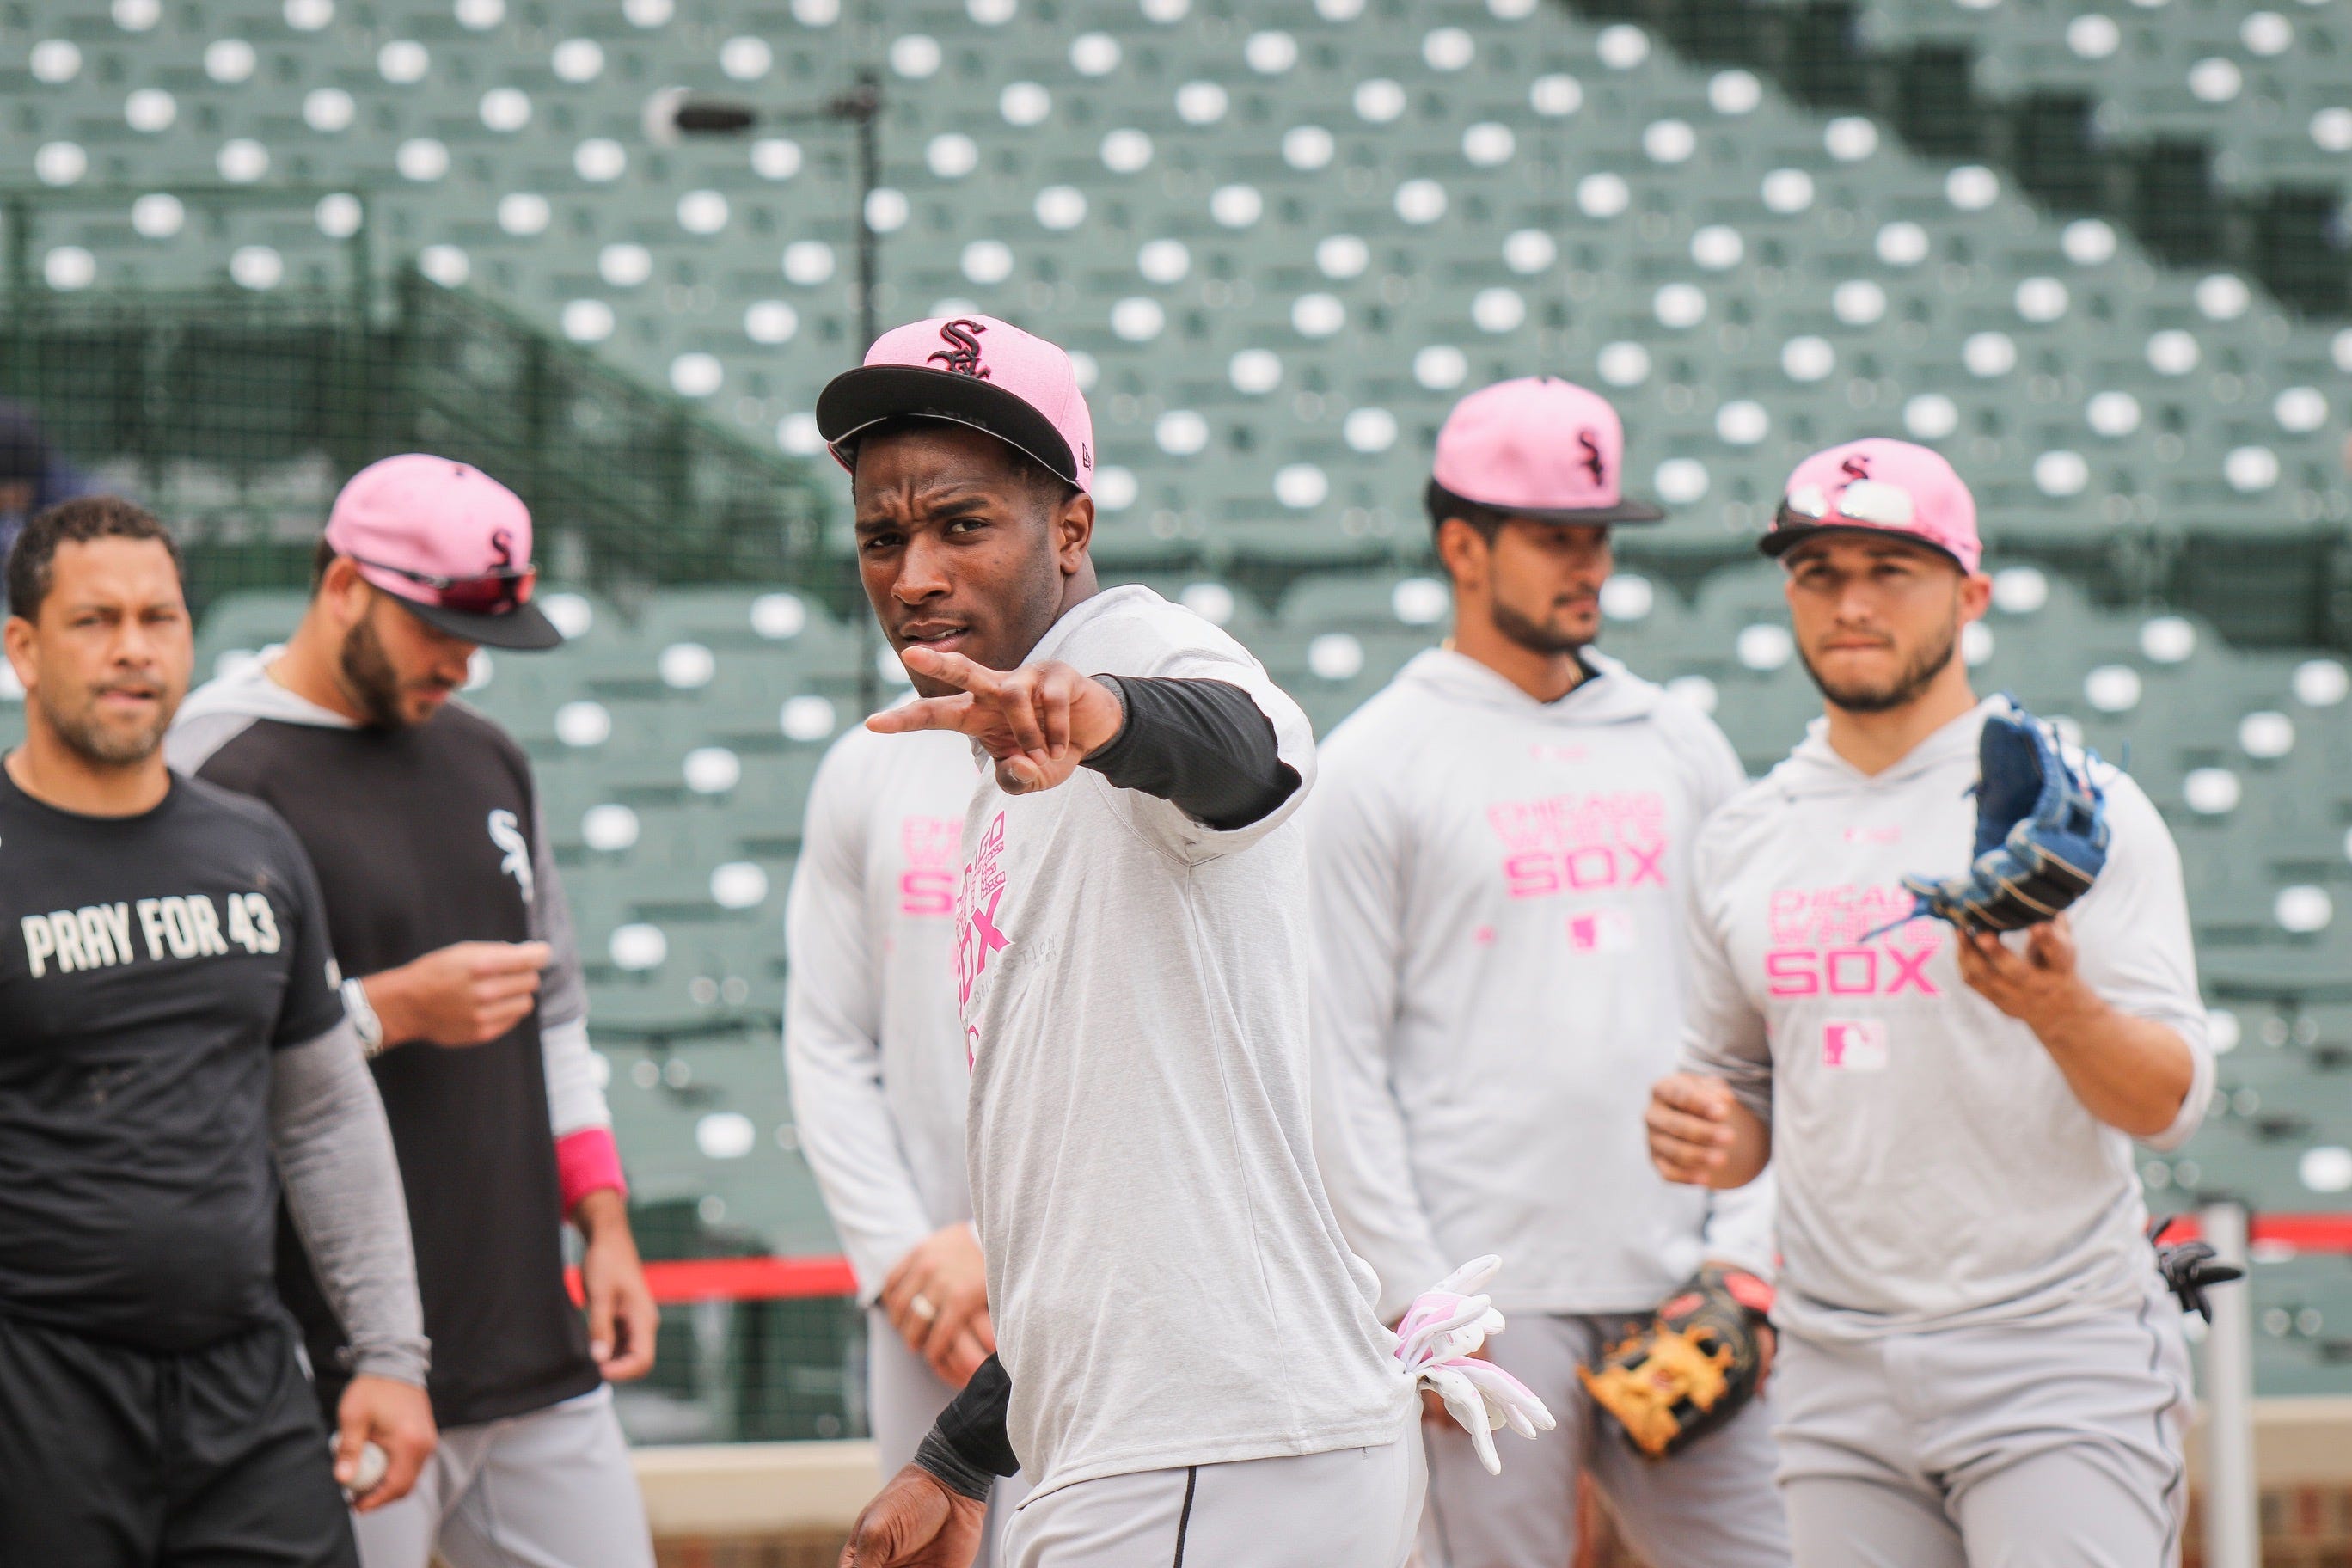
(372, 1465)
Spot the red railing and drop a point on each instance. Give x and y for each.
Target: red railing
(742, 1279)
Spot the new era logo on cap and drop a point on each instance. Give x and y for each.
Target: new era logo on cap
(972, 370)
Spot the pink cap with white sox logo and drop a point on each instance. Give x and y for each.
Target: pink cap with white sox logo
(1879, 486)
(967, 370)
(450, 543)
(1541, 448)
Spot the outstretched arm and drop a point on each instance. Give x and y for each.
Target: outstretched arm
(1202, 744)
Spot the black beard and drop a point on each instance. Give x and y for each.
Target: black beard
(368, 675)
(1531, 635)
(93, 742)
(1903, 690)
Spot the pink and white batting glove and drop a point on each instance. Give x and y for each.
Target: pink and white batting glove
(1438, 1339)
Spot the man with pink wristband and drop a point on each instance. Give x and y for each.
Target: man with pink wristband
(466, 990)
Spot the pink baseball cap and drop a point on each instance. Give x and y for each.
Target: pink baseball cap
(450, 543)
(967, 370)
(1541, 448)
(1879, 486)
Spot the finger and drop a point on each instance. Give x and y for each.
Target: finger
(404, 1454)
(953, 1320)
(1019, 775)
(352, 1425)
(636, 1321)
(984, 1329)
(2051, 945)
(1679, 1162)
(1057, 692)
(1686, 1176)
(903, 1321)
(898, 1293)
(951, 669)
(504, 1015)
(1698, 1131)
(1024, 703)
(1693, 1171)
(502, 958)
(1697, 1096)
(965, 1359)
(1997, 958)
(926, 713)
(506, 986)
(1970, 954)
(600, 1320)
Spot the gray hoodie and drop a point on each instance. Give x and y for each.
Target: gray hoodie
(1934, 1169)
(1498, 979)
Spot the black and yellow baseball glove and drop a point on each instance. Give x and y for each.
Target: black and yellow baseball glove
(1689, 1370)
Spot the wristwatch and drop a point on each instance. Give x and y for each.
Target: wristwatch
(364, 1023)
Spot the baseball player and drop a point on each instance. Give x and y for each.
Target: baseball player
(1189, 1368)
(1979, 1361)
(466, 989)
(172, 1052)
(1500, 843)
(876, 1062)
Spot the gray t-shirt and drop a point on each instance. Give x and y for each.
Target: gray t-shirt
(1169, 1284)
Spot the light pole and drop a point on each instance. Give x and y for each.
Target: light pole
(675, 113)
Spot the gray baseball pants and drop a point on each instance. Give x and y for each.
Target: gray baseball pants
(2020, 1445)
(903, 1397)
(1351, 1508)
(549, 1490)
(1711, 1506)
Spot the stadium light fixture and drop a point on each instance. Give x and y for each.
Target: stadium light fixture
(674, 114)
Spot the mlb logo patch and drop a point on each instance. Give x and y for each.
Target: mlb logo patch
(1854, 1044)
(1601, 930)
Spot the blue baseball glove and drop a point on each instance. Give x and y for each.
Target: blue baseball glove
(2041, 834)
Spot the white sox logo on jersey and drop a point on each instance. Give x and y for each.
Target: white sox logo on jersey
(506, 834)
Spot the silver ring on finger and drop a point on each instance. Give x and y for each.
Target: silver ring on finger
(921, 1305)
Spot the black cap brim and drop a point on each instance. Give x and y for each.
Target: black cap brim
(1626, 510)
(857, 400)
(1783, 537)
(523, 629)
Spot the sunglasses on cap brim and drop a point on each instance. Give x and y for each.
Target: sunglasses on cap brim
(488, 593)
(1874, 503)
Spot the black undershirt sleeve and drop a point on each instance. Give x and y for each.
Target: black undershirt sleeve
(1202, 744)
(966, 1449)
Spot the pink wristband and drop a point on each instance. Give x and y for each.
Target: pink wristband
(586, 1161)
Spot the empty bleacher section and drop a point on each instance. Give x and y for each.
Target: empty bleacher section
(1284, 240)
(2220, 132)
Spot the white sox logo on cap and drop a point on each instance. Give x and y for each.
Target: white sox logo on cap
(961, 356)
